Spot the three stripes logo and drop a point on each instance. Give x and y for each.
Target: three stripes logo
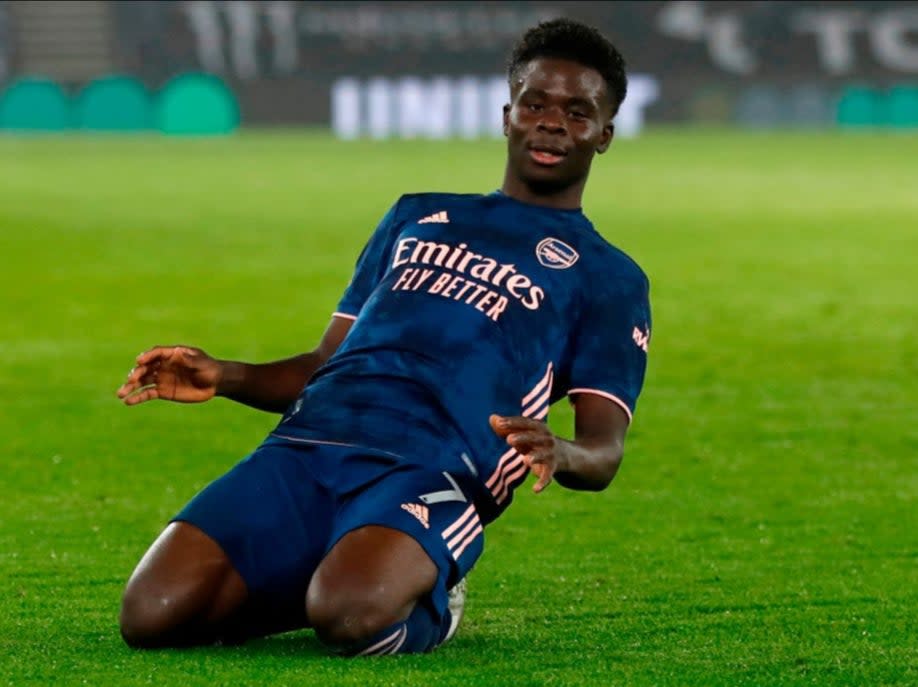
(436, 218)
(422, 513)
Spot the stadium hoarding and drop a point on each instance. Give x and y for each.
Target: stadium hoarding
(448, 107)
(766, 64)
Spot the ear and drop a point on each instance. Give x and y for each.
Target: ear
(506, 120)
(605, 140)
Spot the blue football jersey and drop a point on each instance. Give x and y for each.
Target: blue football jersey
(468, 305)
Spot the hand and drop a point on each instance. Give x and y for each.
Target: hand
(542, 451)
(172, 373)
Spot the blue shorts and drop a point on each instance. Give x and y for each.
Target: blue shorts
(279, 511)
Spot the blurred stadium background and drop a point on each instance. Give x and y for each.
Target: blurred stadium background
(207, 172)
(435, 69)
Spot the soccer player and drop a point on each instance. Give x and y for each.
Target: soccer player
(423, 407)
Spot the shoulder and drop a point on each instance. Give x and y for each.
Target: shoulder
(613, 267)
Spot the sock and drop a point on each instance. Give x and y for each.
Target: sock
(419, 633)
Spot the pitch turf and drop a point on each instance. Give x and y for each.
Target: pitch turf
(762, 530)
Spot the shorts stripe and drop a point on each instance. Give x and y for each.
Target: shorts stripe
(511, 465)
(454, 542)
(500, 467)
(456, 525)
(509, 468)
(478, 530)
(462, 531)
(509, 486)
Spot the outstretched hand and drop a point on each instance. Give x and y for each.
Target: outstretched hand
(172, 373)
(542, 451)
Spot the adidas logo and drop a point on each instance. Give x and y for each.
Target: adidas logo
(436, 218)
(418, 511)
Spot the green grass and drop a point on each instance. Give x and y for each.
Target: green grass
(762, 530)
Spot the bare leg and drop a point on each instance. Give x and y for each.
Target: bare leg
(185, 591)
(371, 579)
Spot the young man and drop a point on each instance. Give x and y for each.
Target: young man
(405, 432)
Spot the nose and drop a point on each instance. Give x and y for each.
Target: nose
(551, 121)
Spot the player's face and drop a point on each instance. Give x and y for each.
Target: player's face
(559, 116)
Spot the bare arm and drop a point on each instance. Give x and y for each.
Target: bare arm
(589, 462)
(188, 375)
(274, 386)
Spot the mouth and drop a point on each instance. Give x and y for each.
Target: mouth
(546, 155)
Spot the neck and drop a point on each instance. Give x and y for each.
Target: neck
(567, 198)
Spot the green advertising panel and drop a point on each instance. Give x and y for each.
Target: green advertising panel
(35, 104)
(114, 103)
(197, 104)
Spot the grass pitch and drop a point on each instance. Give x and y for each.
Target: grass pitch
(762, 530)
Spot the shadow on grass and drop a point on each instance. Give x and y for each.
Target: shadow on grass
(302, 643)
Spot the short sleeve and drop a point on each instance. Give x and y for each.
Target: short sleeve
(370, 268)
(609, 357)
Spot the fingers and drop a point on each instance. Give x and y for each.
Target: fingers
(141, 395)
(542, 466)
(139, 376)
(141, 380)
(154, 354)
(526, 442)
(533, 440)
(544, 479)
(498, 423)
(144, 372)
(142, 377)
(504, 425)
(161, 353)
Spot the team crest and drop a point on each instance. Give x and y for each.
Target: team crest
(556, 254)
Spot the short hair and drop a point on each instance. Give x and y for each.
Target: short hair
(572, 40)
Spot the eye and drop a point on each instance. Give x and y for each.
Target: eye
(576, 114)
(535, 107)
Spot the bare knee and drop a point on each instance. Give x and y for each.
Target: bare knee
(180, 592)
(344, 617)
(370, 580)
(149, 616)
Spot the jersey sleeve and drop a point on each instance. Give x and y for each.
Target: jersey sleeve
(370, 268)
(611, 343)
